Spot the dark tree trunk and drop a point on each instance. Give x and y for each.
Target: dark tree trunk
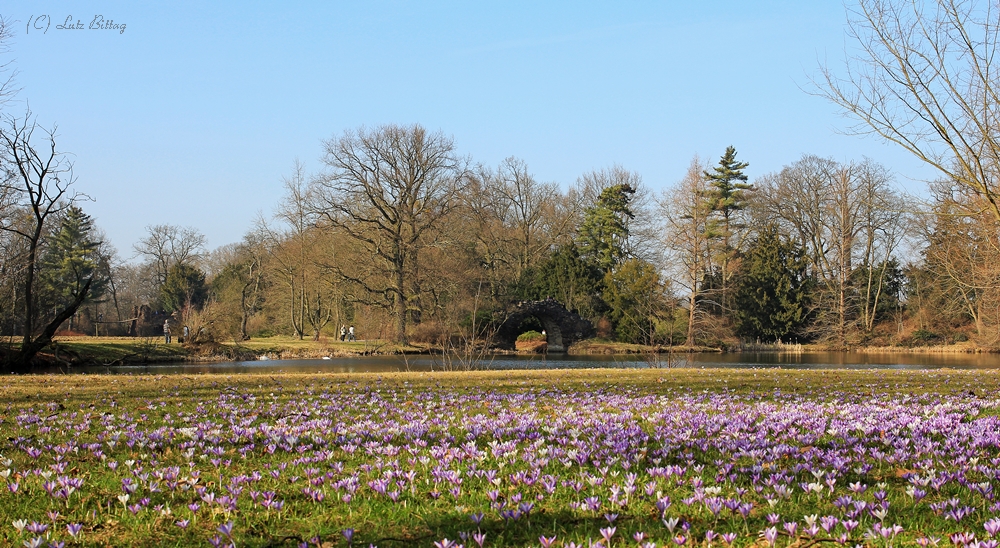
(400, 287)
(29, 284)
(22, 361)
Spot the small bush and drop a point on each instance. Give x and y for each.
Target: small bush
(923, 335)
(604, 328)
(428, 333)
(530, 336)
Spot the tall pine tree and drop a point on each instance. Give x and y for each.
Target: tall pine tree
(725, 198)
(70, 260)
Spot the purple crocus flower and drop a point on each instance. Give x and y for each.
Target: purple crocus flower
(992, 526)
(770, 535)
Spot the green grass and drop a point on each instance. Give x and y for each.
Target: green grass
(106, 350)
(292, 346)
(656, 381)
(110, 350)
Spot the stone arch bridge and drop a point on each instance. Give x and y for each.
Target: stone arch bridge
(562, 327)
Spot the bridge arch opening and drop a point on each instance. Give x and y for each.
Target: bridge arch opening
(546, 325)
(561, 326)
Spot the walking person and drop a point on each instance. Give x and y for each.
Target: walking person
(343, 333)
(166, 331)
(350, 334)
(187, 332)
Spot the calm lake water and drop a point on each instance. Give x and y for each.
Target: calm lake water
(383, 364)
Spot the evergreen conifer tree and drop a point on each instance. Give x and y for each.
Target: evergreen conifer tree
(772, 290)
(729, 184)
(601, 236)
(70, 260)
(725, 198)
(568, 278)
(185, 287)
(636, 297)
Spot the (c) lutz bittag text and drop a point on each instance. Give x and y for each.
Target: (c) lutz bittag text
(43, 22)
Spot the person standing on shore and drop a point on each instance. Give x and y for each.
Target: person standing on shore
(166, 331)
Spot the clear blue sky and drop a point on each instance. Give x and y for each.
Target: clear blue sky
(195, 112)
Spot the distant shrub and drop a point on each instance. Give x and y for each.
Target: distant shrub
(484, 318)
(923, 335)
(428, 333)
(530, 336)
(604, 328)
(263, 333)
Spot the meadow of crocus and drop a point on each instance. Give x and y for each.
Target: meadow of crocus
(593, 458)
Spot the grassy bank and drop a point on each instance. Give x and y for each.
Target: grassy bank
(128, 350)
(598, 346)
(108, 351)
(958, 348)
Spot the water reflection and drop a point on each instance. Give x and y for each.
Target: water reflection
(386, 364)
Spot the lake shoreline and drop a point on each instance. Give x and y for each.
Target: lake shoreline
(72, 352)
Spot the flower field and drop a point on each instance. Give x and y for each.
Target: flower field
(563, 459)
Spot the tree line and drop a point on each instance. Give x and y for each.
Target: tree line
(405, 237)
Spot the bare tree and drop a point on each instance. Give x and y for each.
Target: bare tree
(168, 245)
(243, 274)
(7, 89)
(107, 261)
(686, 215)
(291, 247)
(514, 219)
(884, 221)
(521, 204)
(923, 79)
(37, 180)
(845, 216)
(387, 191)
(962, 255)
